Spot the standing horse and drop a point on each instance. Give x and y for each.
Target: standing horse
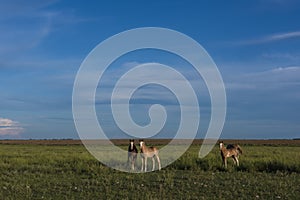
(132, 154)
(149, 152)
(230, 151)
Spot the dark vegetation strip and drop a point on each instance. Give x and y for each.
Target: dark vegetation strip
(266, 142)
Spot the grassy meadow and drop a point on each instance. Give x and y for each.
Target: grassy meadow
(68, 171)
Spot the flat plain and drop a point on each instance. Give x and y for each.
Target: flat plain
(64, 169)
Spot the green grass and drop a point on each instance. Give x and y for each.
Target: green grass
(70, 172)
(254, 159)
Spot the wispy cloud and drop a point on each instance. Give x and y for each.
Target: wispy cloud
(283, 36)
(29, 26)
(271, 38)
(275, 78)
(11, 9)
(9, 127)
(148, 74)
(290, 57)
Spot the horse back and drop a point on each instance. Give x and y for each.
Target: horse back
(153, 149)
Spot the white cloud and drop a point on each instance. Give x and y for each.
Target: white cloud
(270, 79)
(282, 36)
(286, 69)
(289, 57)
(10, 127)
(271, 38)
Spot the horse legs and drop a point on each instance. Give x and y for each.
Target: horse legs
(129, 160)
(143, 160)
(132, 163)
(224, 161)
(153, 163)
(235, 160)
(158, 160)
(145, 163)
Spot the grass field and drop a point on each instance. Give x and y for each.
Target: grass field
(66, 170)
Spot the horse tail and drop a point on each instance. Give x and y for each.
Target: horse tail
(239, 149)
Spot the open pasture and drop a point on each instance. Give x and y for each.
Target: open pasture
(65, 170)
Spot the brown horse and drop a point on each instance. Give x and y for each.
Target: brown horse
(132, 154)
(149, 152)
(232, 150)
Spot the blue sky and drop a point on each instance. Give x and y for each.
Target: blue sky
(255, 44)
